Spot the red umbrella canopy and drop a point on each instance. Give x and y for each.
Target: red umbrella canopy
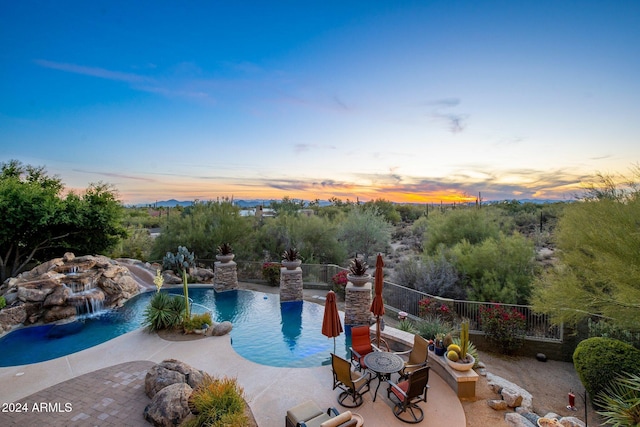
(331, 325)
(377, 306)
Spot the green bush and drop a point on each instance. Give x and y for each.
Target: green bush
(217, 402)
(164, 312)
(197, 321)
(598, 361)
(3, 302)
(620, 401)
(271, 273)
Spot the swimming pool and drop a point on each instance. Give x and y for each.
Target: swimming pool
(264, 331)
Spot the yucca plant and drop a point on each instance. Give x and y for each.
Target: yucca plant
(407, 326)
(620, 401)
(163, 312)
(225, 249)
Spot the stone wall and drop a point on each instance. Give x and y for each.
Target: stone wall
(225, 276)
(357, 304)
(291, 284)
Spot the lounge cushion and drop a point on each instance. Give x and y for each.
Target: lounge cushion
(336, 421)
(303, 412)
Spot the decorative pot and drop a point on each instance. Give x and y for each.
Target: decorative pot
(225, 258)
(358, 280)
(440, 351)
(291, 265)
(462, 366)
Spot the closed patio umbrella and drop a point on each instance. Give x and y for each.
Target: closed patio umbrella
(331, 325)
(377, 306)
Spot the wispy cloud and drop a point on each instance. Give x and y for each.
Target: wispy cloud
(93, 71)
(455, 122)
(116, 175)
(301, 148)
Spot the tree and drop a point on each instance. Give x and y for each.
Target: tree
(37, 222)
(470, 224)
(497, 269)
(599, 249)
(203, 227)
(365, 231)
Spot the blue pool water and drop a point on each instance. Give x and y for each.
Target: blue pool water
(264, 331)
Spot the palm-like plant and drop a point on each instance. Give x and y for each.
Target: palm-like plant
(620, 401)
(225, 249)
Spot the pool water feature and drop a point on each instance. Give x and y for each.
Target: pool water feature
(264, 331)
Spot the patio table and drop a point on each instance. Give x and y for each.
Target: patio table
(383, 364)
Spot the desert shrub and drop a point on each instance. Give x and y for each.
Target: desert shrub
(217, 402)
(197, 321)
(406, 326)
(271, 273)
(598, 361)
(504, 326)
(602, 328)
(3, 302)
(164, 312)
(435, 275)
(620, 401)
(434, 325)
(498, 269)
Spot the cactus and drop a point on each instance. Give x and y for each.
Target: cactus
(464, 339)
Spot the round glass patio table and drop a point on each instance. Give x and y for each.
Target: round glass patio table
(383, 364)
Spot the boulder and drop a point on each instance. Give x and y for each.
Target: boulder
(169, 407)
(36, 290)
(512, 398)
(497, 404)
(58, 312)
(11, 316)
(516, 420)
(497, 384)
(221, 328)
(170, 372)
(57, 297)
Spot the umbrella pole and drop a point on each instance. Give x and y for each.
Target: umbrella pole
(334, 345)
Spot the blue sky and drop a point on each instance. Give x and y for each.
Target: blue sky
(407, 101)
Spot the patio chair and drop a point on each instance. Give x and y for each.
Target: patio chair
(361, 345)
(418, 356)
(406, 395)
(351, 383)
(308, 414)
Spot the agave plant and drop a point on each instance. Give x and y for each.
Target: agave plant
(620, 401)
(358, 267)
(291, 254)
(225, 249)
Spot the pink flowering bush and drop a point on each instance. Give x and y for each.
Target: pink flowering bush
(431, 307)
(505, 326)
(340, 282)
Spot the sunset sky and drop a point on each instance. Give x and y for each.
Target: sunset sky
(410, 101)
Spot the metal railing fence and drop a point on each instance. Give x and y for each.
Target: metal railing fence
(400, 298)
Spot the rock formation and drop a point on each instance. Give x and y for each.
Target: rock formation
(64, 287)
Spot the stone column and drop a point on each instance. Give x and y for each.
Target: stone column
(225, 276)
(357, 304)
(290, 284)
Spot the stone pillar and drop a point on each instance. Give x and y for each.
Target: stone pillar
(225, 276)
(357, 304)
(290, 284)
